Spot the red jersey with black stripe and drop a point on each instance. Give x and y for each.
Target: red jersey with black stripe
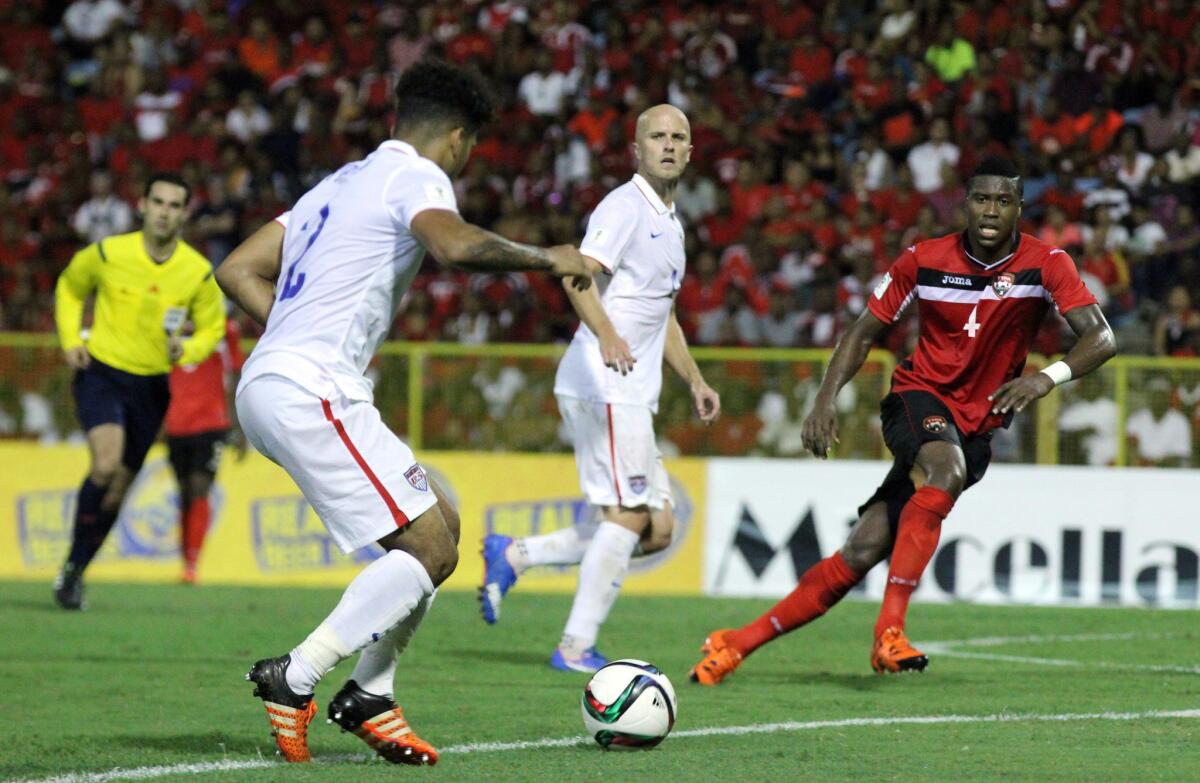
(198, 397)
(977, 321)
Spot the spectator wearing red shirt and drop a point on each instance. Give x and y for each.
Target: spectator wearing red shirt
(899, 206)
(594, 120)
(1099, 127)
(749, 191)
(260, 51)
(788, 18)
(1050, 130)
(471, 44)
(799, 190)
(1060, 232)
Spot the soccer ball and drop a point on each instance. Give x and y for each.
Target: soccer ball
(628, 705)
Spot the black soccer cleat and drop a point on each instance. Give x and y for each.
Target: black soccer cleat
(379, 722)
(68, 588)
(289, 712)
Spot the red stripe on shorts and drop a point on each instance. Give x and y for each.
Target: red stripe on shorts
(397, 514)
(612, 454)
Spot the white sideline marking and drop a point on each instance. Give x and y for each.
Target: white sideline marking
(946, 648)
(148, 773)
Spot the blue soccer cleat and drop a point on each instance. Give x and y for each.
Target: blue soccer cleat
(498, 576)
(589, 663)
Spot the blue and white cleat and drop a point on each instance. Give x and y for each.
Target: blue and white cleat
(589, 663)
(498, 576)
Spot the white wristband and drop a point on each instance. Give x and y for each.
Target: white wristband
(1059, 372)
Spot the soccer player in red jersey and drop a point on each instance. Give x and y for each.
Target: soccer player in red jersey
(983, 295)
(197, 427)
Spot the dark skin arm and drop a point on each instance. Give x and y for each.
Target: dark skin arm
(821, 426)
(1095, 346)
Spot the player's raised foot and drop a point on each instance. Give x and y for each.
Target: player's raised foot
(289, 712)
(379, 722)
(498, 576)
(68, 588)
(893, 653)
(720, 659)
(589, 661)
(189, 576)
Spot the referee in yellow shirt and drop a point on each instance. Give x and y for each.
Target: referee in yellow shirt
(146, 283)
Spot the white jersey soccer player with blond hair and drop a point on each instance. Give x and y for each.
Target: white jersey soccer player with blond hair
(326, 279)
(608, 385)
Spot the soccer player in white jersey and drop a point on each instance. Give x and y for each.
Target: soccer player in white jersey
(608, 385)
(326, 279)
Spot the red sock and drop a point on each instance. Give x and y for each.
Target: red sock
(820, 588)
(916, 539)
(195, 525)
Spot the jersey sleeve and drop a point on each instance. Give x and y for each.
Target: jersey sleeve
(897, 288)
(1061, 280)
(414, 190)
(75, 284)
(208, 314)
(609, 231)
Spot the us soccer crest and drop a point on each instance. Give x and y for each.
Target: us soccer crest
(1003, 283)
(416, 477)
(637, 484)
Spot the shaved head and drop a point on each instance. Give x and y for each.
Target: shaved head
(662, 143)
(662, 110)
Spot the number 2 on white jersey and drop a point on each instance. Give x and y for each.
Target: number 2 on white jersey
(293, 282)
(972, 326)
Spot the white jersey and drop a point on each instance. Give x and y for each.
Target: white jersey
(349, 257)
(639, 240)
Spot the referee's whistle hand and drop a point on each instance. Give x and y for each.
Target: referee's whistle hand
(174, 348)
(77, 358)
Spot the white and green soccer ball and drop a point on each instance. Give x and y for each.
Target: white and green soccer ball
(628, 705)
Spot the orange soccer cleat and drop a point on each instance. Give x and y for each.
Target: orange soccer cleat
(289, 712)
(893, 653)
(379, 722)
(720, 659)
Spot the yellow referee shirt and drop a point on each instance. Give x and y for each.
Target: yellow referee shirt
(133, 297)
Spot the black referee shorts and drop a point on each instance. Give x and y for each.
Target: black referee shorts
(138, 403)
(910, 420)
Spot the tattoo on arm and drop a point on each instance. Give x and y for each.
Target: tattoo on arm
(493, 253)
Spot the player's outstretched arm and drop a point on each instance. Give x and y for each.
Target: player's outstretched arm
(1095, 346)
(613, 348)
(455, 242)
(675, 351)
(248, 274)
(821, 428)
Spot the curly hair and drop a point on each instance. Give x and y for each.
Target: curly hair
(434, 92)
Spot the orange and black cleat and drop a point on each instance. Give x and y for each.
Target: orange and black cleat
(893, 653)
(379, 722)
(289, 712)
(720, 659)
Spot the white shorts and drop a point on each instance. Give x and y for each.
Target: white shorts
(361, 479)
(615, 452)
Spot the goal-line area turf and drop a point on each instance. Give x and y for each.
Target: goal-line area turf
(147, 684)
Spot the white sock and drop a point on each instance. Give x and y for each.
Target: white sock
(600, 576)
(562, 547)
(376, 669)
(378, 600)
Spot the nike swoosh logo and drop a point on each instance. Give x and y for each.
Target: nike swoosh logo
(655, 236)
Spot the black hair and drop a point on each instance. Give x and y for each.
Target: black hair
(434, 92)
(996, 166)
(170, 179)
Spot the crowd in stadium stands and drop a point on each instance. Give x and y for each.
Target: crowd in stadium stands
(827, 136)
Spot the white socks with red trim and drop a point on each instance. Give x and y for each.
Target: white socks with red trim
(380, 598)
(376, 669)
(566, 546)
(601, 573)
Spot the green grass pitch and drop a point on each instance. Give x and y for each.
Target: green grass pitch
(151, 676)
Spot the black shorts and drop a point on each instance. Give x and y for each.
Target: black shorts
(198, 453)
(910, 420)
(138, 403)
